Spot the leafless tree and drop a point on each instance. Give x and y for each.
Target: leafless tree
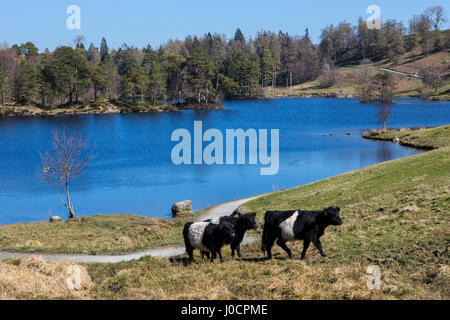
(432, 75)
(384, 113)
(413, 23)
(435, 16)
(365, 79)
(68, 157)
(329, 76)
(79, 41)
(9, 69)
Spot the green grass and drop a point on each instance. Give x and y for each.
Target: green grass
(96, 234)
(432, 138)
(396, 216)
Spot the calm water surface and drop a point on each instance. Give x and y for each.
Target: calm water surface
(133, 173)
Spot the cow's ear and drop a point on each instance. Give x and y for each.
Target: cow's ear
(239, 214)
(253, 214)
(338, 209)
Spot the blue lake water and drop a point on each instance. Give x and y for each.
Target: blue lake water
(132, 171)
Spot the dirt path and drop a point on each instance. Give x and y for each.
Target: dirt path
(415, 75)
(412, 75)
(213, 212)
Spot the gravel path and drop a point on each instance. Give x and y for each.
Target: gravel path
(214, 212)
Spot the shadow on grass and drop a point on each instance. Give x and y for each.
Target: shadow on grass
(184, 261)
(181, 261)
(256, 259)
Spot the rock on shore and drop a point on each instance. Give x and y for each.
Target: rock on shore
(182, 209)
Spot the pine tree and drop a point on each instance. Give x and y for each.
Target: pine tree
(200, 67)
(104, 50)
(26, 83)
(239, 36)
(156, 76)
(135, 83)
(175, 65)
(110, 75)
(98, 80)
(69, 72)
(94, 55)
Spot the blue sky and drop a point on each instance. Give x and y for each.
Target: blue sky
(142, 22)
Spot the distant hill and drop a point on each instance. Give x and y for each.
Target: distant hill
(406, 86)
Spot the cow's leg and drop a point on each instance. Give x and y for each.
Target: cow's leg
(232, 250)
(213, 255)
(269, 244)
(305, 247)
(190, 252)
(283, 246)
(220, 255)
(318, 244)
(238, 249)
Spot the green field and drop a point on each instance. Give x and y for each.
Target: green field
(97, 234)
(432, 138)
(396, 216)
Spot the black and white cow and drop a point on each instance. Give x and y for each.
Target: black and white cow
(207, 237)
(241, 223)
(297, 225)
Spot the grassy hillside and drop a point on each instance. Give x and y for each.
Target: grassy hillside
(410, 62)
(396, 216)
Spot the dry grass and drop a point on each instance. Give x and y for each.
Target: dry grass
(96, 234)
(396, 216)
(405, 86)
(37, 279)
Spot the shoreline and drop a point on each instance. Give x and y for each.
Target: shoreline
(118, 108)
(107, 108)
(176, 248)
(158, 252)
(403, 137)
(203, 213)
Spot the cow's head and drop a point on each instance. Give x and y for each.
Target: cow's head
(227, 231)
(247, 221)
(332, 214)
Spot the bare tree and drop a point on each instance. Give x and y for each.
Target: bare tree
(435, 16)
(67, 159)
(413, 23)
(9, 69)
(329, 76)
(384, 113)
(432, 75)
(79, 41)
(423, 29)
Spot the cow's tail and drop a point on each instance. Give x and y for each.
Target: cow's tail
(265, 232)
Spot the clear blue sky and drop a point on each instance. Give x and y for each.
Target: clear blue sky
(142, 22)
